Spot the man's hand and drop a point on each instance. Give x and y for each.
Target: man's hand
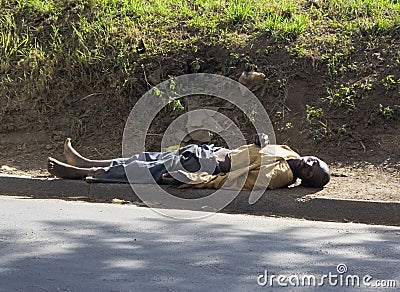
(170, 180)
(261, 140)
(175, 178)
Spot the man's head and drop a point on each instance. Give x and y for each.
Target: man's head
(312, 171)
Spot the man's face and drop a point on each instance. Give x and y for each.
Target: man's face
(312, 171)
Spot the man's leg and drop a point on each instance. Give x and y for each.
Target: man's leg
(75, 159)
(64, 170)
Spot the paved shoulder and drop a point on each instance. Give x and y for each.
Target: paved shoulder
(299, 203)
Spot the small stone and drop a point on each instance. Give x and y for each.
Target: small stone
(252, 80)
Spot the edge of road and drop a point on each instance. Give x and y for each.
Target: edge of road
(281, 203)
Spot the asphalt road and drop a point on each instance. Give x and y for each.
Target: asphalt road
(54, 245)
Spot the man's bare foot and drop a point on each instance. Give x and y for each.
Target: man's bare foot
(75, 159)
(63, 170)
(72, 156)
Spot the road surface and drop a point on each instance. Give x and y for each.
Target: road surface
(54, 245)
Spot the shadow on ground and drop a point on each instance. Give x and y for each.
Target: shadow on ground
(160, 254)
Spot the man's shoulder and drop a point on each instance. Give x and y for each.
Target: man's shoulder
(282, 151)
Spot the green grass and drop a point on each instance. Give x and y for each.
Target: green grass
(94, 27)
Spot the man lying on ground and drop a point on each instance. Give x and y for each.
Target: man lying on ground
(257, 165)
